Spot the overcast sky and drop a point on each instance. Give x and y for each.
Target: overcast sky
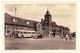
(62, 14)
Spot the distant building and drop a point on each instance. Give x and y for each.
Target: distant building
(50, 28)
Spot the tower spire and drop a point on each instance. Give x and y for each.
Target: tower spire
(47, 12)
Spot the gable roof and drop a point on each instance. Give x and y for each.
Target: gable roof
(20, 21)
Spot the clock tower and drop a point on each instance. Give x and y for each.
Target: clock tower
(48, 25)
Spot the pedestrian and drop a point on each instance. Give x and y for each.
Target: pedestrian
(67, 36)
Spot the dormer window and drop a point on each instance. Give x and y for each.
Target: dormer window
(14, 20)
(27, 23)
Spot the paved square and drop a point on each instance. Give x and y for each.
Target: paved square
(38, 44)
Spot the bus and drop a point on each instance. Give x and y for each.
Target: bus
(26, 33)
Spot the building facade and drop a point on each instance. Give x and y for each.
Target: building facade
(50, 28)
(14, 23)
(47, 24)
(46, 27)
(39, 28)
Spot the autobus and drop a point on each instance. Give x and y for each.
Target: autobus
(26, 33)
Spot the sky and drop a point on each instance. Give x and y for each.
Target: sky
(62, 13)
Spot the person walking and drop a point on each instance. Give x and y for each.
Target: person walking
(67, 36)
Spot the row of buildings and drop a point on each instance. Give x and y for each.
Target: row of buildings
(46, 27)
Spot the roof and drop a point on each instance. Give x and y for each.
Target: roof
(20, 21)
(26, 30)
(47, 13)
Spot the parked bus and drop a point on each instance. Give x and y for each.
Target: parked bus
(26, 33)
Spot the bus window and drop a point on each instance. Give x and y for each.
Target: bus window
(18, 32)
(25, 32)
(29, 32)
(33, 33)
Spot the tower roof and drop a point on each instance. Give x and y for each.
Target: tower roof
(47, 12)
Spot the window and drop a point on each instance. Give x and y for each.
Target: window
(29, 32)
(25, 32)
(18, 31)
(8, 27)
(33, 33)
(8, 31)
(27, 22)
(14, 20)
(46, 18)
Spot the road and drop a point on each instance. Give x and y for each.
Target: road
(38, 44)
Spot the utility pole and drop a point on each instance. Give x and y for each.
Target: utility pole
(15, 22)
(15, 11)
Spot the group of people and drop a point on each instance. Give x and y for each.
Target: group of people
(69, 36)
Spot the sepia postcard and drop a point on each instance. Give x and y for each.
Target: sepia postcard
(40, 25)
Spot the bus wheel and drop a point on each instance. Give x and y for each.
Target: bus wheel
(35, 37)
(31, 36)
(22, 36)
